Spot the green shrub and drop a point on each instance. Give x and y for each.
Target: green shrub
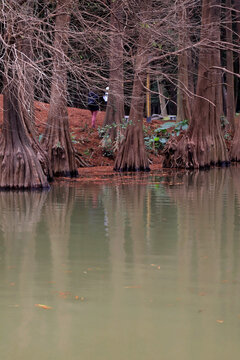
(163, 133)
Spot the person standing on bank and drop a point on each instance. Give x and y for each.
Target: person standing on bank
(93, 106)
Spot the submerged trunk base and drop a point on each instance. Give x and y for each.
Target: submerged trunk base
(69, 174)
(22, 188)
(132, 154)
(132, 169)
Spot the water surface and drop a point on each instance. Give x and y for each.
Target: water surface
(128, 271)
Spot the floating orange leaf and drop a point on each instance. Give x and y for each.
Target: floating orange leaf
(220, 321)
(42, 306)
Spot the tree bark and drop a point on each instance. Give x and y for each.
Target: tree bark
(115, 105)
(203, 144)
(57, 139)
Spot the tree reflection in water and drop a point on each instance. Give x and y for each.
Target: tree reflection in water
(20, 215)
(105, 243)
(208, 249)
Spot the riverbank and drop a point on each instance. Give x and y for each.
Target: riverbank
(86, 140)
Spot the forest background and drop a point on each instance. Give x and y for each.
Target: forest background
(185, 54)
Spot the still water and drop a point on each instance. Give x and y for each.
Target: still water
(140, 270)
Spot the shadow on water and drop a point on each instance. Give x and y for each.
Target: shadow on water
(117, 263)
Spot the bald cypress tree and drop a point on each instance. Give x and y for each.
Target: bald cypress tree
(132, 154)
(23, 163)
(57, 139)
(203, 143)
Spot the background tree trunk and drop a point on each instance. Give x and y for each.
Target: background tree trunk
(235, 150)
(203, 144)
(162, 99)
(183, 104)
(230, 76)
(27, 58)
(115, 105)
(237, 22)
(57, 139)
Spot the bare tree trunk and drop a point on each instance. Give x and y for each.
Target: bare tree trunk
(237, 7)
(115, 104)
(237, 22)
(183, 105)
(229, 75)
(132, 154)
(235, 150)
(26, 48)
(57, 138)
(162, 99)
(23, 164)
(203, 144)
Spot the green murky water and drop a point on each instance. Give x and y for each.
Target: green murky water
(140, 271)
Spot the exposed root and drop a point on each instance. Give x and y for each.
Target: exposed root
(80, 161)
(72, 174)
(235, 150)
(197, 152)
(132, 169)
